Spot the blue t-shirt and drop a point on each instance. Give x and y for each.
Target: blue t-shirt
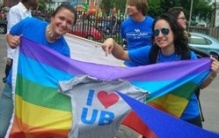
(140, 57)
(137, 34)
(35, 30)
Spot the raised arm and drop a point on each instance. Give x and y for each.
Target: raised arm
(111, 47)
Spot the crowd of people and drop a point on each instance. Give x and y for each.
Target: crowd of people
(149, 41)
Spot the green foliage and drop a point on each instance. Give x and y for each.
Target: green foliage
(200, 8)
(154, 8)
(41, 5)
(109, 4)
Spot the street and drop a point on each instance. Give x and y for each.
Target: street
(209, 99)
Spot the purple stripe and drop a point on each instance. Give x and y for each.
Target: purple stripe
(170, 70)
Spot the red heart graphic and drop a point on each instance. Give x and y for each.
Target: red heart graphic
(107, 99)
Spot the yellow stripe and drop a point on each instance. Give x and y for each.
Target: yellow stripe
(173, 104)
(42, 117)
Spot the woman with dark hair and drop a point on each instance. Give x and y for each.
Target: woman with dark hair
(170, 44)
(178, 14)
(41, 32)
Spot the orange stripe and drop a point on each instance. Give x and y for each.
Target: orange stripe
(21, 130)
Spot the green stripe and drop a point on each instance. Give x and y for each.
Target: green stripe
(42, 96)
(185, 90)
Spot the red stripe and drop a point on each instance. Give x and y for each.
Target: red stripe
(134, 122)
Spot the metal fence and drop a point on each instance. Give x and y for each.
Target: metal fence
(109, 26)
(212, 31)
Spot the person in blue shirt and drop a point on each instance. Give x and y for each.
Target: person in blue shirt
(44, 33)
(136, 30)
(170, 43)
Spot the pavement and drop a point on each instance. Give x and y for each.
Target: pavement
(209, 100)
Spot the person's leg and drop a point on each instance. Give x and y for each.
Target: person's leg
(6, 109)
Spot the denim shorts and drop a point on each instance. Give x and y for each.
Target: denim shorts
(6, 109)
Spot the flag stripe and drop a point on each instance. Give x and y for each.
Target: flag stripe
(22, 130)
(185, 88)
(46, 115)
(171, 104)
(42, 96)
(42, 70)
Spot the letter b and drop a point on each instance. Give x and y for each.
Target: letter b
(106, 118)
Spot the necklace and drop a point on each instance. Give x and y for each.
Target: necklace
(158, 57)
(51, 34)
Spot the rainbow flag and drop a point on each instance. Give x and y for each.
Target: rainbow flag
(41, 111)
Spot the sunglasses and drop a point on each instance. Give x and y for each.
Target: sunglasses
(164, 31)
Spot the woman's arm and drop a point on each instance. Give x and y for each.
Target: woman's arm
(110, 46)
(213, 74)
(13, 41)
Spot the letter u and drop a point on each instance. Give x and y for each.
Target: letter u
(92, 118)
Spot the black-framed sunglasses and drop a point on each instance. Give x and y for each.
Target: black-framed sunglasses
(164, 31)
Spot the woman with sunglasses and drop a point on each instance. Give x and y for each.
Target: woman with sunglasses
(170, 44)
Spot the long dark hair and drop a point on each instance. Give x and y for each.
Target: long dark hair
(180, 40)
(175, 11)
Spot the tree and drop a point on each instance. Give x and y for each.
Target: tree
(201, 8)
(154, 8)
(107, 5)
(41, 5)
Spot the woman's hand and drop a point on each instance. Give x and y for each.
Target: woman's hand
(108, 46)
(111, 47)
(214, 67)
(13, 41)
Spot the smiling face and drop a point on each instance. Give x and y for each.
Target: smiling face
(163, 38)
(132, 10)
(62, 22)
(137, 7)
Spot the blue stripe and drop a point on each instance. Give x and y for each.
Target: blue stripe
(44, 75)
